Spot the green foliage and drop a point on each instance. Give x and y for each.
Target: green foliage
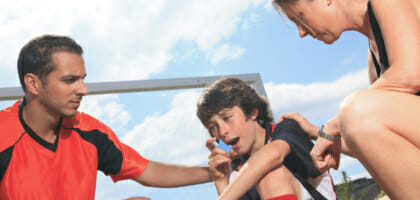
(346, 190)
(380, 195)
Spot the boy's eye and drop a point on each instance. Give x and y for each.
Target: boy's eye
(300, 16)
(226, 118)
(300, 19)
(213, 130)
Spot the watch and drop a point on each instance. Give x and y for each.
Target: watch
(327, 136)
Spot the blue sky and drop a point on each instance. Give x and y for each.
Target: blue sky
(135, 40)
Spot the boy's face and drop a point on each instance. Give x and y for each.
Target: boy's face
(233, 128)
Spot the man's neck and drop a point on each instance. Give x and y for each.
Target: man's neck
(43, 123)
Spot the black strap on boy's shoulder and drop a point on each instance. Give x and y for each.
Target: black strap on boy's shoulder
(314, 193)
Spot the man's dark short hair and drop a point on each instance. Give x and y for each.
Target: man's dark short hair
(36, 56)
(226, 93)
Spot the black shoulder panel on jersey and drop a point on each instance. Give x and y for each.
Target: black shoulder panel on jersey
(5, 157)
(109, 156)
(298, 161)
(289, 124)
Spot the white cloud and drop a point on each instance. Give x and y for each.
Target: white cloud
(315, 100)
(252, 18)
(225, 52)
(176, 136)
(108, 109)
(346, 161)
(268, 5)
(5, 104)
(106, 189)
(354, 177)
(122, 40)
(361, 175)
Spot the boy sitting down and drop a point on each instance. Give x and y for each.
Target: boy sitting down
(267, 161)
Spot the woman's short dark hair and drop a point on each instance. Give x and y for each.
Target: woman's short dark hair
(228, 92)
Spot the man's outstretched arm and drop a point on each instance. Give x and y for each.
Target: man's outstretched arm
(159, 174)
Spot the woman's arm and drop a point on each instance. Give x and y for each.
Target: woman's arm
(400, 25)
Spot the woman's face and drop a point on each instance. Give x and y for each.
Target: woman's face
(316, 18)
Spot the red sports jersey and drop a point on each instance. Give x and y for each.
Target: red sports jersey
(31, 168)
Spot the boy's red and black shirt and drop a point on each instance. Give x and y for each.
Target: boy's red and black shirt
(298, 161)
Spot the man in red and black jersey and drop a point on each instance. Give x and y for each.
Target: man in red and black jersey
(49, 150)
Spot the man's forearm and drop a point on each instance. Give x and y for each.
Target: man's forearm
(159, 174)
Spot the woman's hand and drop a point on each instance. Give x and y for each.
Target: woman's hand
(326, 153)
(310, 129)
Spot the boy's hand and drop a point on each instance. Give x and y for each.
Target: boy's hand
(310, 129)
(233, 155)
(219, 162)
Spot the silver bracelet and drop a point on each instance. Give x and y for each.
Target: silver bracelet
(327, 136)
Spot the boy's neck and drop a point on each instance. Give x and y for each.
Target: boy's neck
(259, 138)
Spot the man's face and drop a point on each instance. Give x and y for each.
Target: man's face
(233, 128)
(64, 88)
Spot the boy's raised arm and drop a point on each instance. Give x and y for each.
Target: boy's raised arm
(219, 165)
(263, 161)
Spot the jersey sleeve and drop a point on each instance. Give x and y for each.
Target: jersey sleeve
(119, 160)
(133, 164)
(299, 160)
(114, 157)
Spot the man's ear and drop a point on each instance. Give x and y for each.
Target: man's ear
(33, 83)
(254, 114)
